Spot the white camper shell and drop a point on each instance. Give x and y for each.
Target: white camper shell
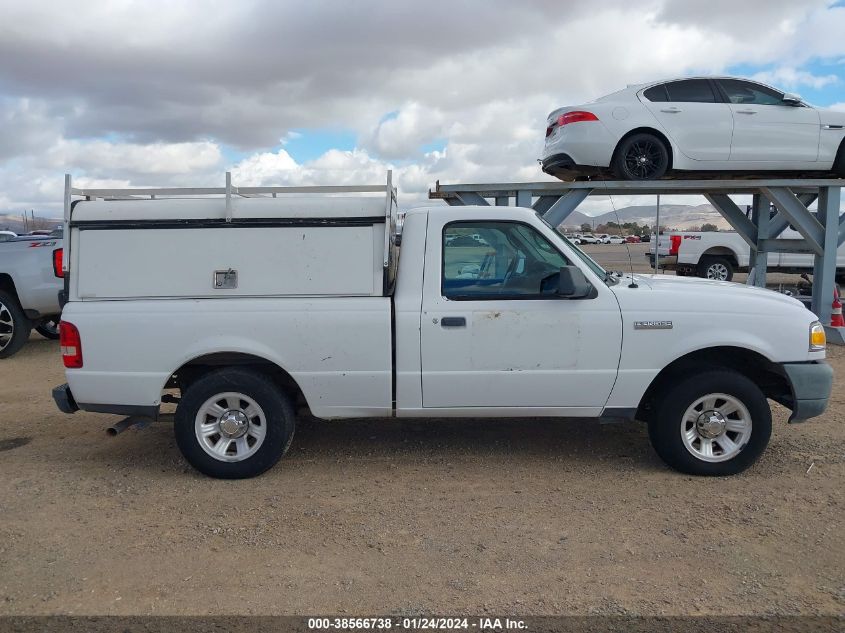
(287, 245)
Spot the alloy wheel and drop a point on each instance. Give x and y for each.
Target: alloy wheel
(7, 326)
(716, 427)
(230, 426)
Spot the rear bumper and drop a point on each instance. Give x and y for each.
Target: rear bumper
(811, 384)
(66, 403)
(64, 399)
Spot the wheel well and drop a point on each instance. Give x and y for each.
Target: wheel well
(7, 285)
(192, 370)
(764, 373)
(646, 130)
(722, 251)
(839, 161)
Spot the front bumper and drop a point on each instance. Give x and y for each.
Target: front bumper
(811, 384)
(64, 399)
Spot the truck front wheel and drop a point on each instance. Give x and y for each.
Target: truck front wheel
(718, 268)
(14, 326)
(234, 423)
(715, 422)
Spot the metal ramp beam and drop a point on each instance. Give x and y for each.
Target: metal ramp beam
(821, 233)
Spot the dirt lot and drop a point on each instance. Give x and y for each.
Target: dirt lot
(379, 516)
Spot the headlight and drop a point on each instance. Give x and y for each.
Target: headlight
(817, 337)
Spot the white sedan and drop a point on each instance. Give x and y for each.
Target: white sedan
(612, 239)
(696, 124)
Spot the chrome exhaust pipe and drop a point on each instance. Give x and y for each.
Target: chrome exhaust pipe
(136, 421)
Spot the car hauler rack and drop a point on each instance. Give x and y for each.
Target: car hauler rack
(267, 241)
(822, 232)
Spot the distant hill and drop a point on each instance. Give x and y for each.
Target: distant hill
(15, 223)
(675, 216)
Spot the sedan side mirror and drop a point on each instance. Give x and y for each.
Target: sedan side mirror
(572, 284)
(790, 98)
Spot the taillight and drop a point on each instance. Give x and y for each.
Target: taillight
(578, 116)
(676, 244)
(58, 255)
(71, 345)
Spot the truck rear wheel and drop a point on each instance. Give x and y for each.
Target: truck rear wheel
(715, 422)
(715, 267)
(234, 423)
(49, 328)
(14, 326)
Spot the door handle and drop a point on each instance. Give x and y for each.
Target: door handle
(453, 322)
(746, 111)
(670, 110)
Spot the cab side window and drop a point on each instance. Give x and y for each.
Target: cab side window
(496, 260)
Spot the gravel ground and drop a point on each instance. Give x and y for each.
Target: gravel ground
(406, 517)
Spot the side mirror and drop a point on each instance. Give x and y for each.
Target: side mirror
(790, 98)
(572, 284)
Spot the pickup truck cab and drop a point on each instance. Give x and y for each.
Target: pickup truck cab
(258, 306)
(30, 281)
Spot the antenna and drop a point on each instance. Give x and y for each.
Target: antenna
(633, 283)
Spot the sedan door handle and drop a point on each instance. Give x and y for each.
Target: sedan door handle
(746, 111)
(453, 322)
(670, 110)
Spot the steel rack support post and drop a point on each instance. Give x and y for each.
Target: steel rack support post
(733, 214)
(760, 211)
(470, 197)
(523, 198)
(544, 203)
(824, 268)
(798, 216)
(565, 205)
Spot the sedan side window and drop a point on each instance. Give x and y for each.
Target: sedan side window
(691, 91)
(495, 260)
(743, 92)
(656, 94)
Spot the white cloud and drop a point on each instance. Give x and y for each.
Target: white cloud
(159, 104)
(790, 77)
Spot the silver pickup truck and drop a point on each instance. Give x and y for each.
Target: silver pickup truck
(30, 282)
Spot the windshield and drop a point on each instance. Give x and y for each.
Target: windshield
(591, 263)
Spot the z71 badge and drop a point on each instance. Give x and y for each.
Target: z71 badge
(652, 325)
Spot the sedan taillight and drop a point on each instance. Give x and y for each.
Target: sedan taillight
(578, 116)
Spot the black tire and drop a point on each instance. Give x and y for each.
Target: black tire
(12, 322)
(665, 427)
(839, 162)
(276, 406)
(715, 267)
(641, 156)
(49, 328)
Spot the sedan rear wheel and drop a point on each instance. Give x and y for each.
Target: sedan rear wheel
(641, 157)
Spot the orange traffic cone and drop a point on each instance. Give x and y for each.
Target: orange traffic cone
(836, 319)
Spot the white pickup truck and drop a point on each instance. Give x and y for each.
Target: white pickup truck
(719, 254)
(30, 282)
(252, 307)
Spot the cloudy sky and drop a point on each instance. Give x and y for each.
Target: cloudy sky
(150, 93)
